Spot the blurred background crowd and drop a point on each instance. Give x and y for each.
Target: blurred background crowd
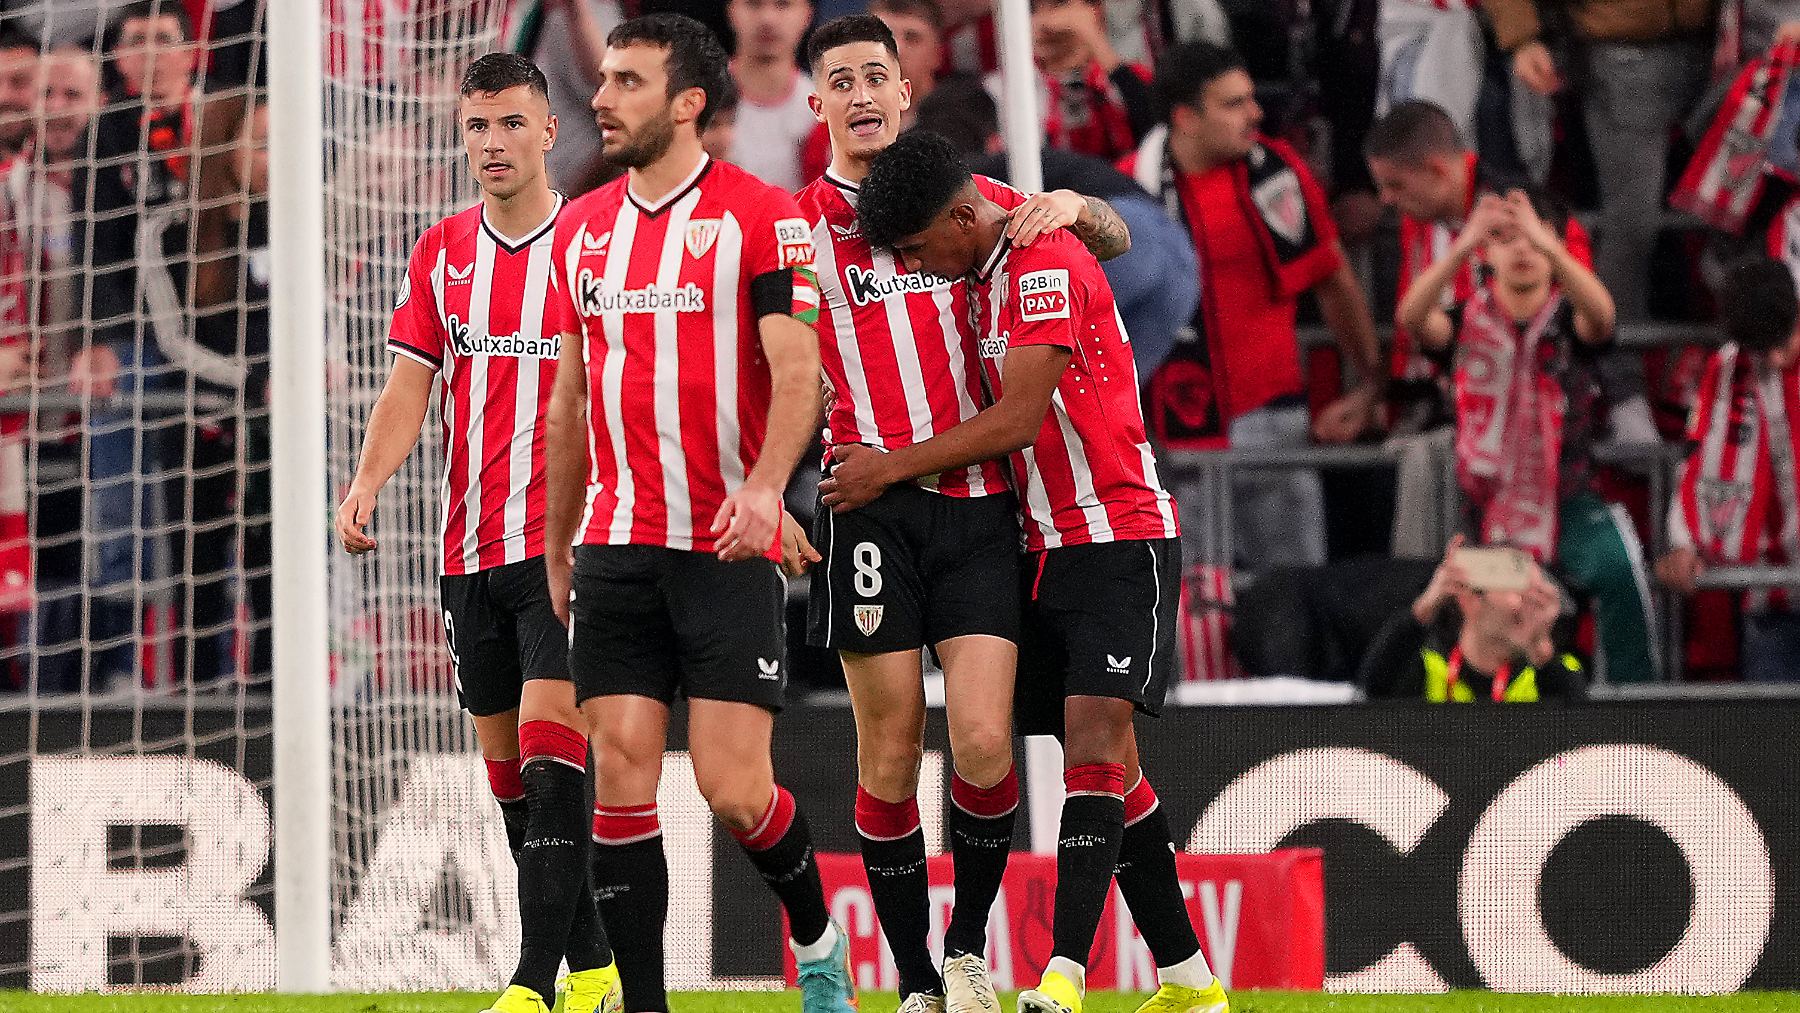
(1519, 272)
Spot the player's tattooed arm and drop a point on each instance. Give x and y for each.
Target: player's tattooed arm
(1101, 230)
(1092, 220)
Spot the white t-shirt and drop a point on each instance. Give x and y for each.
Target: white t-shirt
(769, 138)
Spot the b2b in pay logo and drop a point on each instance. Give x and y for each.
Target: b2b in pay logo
(1044, 295)
(794, 238)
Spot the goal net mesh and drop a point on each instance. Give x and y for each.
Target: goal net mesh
(134, 497)
(422, 886)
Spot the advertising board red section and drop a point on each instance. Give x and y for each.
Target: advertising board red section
(1260, 918)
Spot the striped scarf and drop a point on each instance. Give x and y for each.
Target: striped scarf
(1725, 178)
(1084, 113)
(1509, 424)
(1739, 500)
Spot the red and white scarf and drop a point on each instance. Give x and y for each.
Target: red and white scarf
(1739, 501)
(1084, 113)
(1725, 178)
(1509, 424)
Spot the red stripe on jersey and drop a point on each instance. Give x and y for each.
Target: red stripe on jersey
(477, 307)
(1090, 476)
(897, 347)
(678, 387)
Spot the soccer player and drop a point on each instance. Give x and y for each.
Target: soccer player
(1102, 564)
(476, 310)
(933, 561)
(688, 343)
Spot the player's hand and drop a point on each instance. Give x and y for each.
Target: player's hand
(1347, 418)
(1043, 213)
(797, 552)
(1680, 569)
(353, 514)
(559, 570)
(94, 372)
(857, 478)
(1533, 64)
(746, 522)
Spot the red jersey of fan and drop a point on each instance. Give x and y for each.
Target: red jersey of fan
(897, 347)
(1250, 321)
(475, 306)
(1090, 476)
(665, 297)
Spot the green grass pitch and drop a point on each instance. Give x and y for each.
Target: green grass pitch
(789, 1002)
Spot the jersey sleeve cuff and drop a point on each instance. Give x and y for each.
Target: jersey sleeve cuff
(423, 358)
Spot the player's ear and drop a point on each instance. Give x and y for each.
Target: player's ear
(963, 215)
(817, 107)
(550, 133)
(688, 104)
(905, 94)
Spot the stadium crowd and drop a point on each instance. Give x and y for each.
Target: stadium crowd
(1445, 229)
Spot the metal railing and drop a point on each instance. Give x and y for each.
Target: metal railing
(1208, 474)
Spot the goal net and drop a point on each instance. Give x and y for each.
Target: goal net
(422, 890)
(135, 652)
(134, 497)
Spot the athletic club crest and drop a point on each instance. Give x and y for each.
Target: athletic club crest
(1726, 505)
(701, 233)
(868, 618)
(1282, 205)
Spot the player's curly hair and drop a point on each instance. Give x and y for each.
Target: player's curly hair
(908, 185)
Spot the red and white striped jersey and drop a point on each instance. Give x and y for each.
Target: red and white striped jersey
(665, 298)
(1090, 476)
(476, 306)
(897, 347)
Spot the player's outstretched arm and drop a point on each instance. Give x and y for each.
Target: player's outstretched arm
(860, 474)
(749, 517)
(393, 431)
(566, 467)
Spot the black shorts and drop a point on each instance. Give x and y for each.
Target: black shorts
(1099, 621)
(650, 621)
(915, 568)
(502, 631)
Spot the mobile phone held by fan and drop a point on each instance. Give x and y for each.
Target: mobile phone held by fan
(1495, 569)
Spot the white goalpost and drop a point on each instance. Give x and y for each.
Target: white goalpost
(301, 689)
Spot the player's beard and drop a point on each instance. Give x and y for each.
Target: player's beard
(647, 143)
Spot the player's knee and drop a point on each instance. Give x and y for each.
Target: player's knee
(1098, 731)
(550, 705)
(983, 754)
(738, 803)
(618, 760)
(889, 768)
